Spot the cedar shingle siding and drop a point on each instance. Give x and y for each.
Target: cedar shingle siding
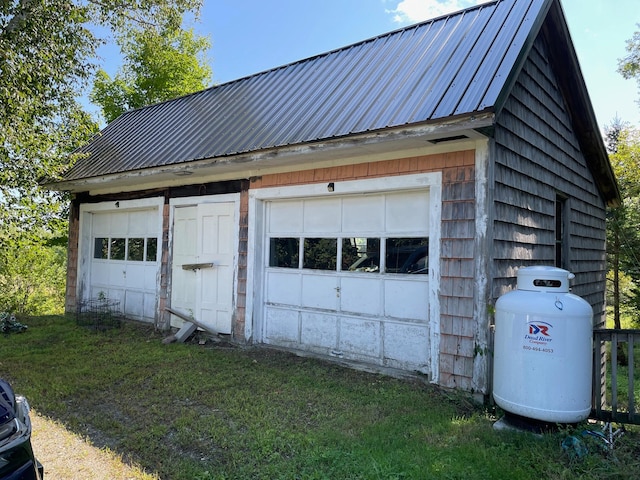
(532, 166)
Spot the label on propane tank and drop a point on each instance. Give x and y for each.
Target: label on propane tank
(540, 335)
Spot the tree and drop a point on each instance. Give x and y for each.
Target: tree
(623, 223)
(158, 65)
(47, 57)
(629, 66)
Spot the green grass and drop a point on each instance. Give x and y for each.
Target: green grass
(623, 379)
(185, 411)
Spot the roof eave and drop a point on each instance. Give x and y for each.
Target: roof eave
(369, 146)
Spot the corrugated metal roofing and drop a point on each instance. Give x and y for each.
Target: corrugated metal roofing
(453, 65)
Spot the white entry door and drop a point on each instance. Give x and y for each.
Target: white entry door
(203, 263)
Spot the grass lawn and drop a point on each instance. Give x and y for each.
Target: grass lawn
(193, 412)
(623, 380)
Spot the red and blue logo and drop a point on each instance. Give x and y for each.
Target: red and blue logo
(539, 332)
(539, 328)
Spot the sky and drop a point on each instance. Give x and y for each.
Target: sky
(250, 36)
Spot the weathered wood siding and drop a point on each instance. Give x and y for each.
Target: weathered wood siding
(537, 157)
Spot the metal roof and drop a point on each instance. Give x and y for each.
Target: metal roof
(455, 65)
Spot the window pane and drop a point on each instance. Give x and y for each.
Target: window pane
(320, 253)
(361, 254)
(101, 248)
(136, 249)
(152, 250)
(284, 252)
(407, 255)
(117, 248)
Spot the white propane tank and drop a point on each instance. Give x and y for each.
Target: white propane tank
(543, 348)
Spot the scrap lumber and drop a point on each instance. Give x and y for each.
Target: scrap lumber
(189, 326)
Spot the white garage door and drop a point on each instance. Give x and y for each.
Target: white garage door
(348, 276)
(125, 260)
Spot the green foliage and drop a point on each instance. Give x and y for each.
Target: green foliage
(629, 66)
(47, 55)
(159, 65)
(47, 59)
(623, 224)
(32, 278)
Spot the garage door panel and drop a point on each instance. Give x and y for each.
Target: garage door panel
(361, 295)
(134, 303)
(135, 275)
(150, 278)
(360, 337)
(117, 273)
(322, 216)
(363, 214)
(319, 291)
(282, 325)
(407, 299)
(114, 295)
(139, 224)
(406, 344)
(101, 224)
(118, 223)
(319, 330)
(289, 290)
(286, 217)
(100, 273)
(150, 303)
(407, 212)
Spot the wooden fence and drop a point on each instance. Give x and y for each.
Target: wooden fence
(609, 403)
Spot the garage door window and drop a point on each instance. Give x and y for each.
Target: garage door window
(152, 249)
(320, 253)
(284, 252)
(361, 254)
(101, 248)
(135, 249)
(118, 246)
(131, 249)
(402, 255)
(407, 255)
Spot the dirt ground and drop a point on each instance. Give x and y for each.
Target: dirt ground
(67, 456)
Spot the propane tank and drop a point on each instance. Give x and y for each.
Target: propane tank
(543, 348)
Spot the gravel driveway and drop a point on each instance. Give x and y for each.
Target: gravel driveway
(67, 456)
